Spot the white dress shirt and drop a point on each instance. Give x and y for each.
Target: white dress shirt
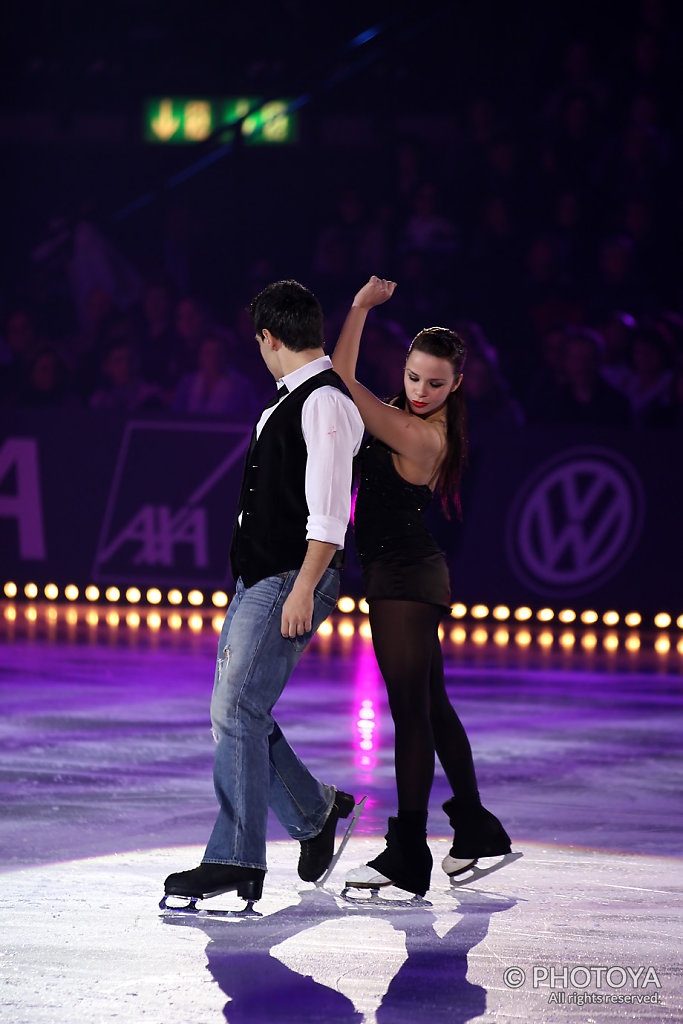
(333, 431)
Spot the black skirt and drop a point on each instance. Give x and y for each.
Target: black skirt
(422, 579)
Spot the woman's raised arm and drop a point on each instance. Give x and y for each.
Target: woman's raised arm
(406, 434)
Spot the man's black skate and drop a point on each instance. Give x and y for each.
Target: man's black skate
(317, 853)
(406, 862)
(476, 833)
(210, 880)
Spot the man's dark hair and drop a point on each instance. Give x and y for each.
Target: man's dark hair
(291, 313)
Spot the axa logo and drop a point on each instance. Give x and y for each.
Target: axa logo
(576, 521)
(154, 532)
(21, 503)
(168, 514)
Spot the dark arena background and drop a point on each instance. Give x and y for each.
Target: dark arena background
(516, 168)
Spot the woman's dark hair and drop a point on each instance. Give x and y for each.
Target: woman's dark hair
(446, 344)
(291, 313)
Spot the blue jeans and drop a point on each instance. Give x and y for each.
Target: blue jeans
(254, 766)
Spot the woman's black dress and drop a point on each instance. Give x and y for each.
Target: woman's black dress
(399, 557)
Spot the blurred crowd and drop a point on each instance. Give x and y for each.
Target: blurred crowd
(547, 231)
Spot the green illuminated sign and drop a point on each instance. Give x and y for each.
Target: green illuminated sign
(184, 120)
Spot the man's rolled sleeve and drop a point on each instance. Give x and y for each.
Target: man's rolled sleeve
(333, 431)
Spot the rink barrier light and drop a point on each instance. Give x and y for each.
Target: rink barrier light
(547, 628)
(346, 605)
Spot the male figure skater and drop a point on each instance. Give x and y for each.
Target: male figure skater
(287, 544)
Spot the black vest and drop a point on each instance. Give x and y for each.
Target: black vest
(272, 536)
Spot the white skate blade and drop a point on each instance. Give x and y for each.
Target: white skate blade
(365, 877)
(452, 866)
(357, 811)
(190, 907)
(473, 874)
(368, 892)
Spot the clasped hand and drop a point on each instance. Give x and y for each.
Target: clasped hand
(374, 293)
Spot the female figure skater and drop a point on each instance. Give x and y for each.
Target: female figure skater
(417, 446)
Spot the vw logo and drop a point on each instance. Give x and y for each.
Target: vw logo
(575, 521)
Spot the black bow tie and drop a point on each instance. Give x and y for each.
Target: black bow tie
(281, 392)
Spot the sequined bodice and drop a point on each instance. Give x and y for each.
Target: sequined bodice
(388, 519)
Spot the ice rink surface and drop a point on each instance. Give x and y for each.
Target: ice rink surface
(106, 788)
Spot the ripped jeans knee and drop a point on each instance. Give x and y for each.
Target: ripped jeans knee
(219, 689)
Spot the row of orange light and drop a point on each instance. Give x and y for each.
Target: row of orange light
(521, 636)
(346, 629)
(133, 595)
(566, 616)
(220, 599)
(153, 620)
(566, 640)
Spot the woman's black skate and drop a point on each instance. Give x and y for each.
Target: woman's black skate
(406, 863)
(476, 833)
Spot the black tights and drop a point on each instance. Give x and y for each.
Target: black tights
(406, 642)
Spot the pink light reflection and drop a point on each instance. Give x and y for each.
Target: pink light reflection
(368, 691)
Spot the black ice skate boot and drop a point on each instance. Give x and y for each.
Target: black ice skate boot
(406, 862)
(317, 853)
(214, 879)
(476, 833)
